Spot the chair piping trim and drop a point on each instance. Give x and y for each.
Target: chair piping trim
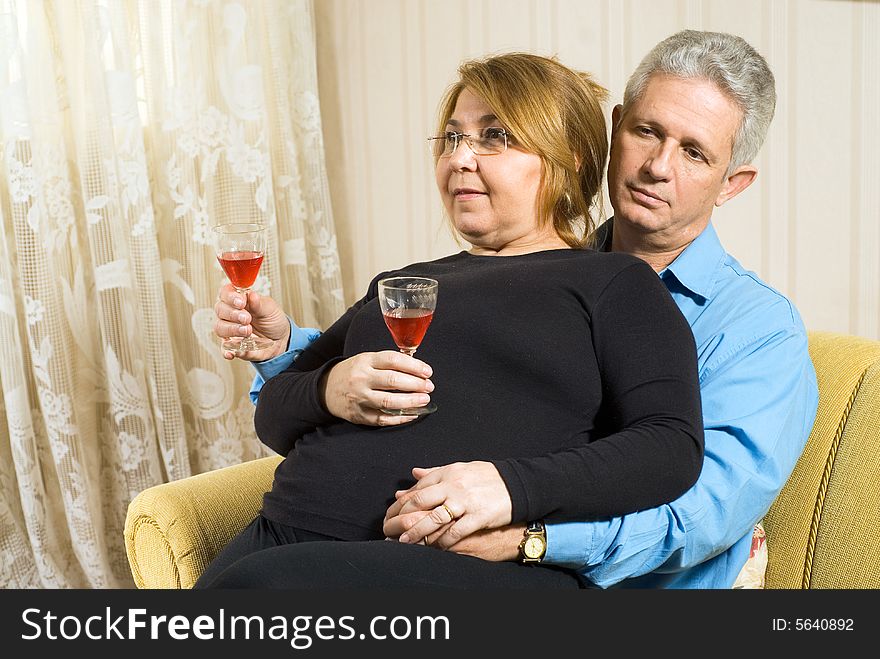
(140, 582)
(823, 485)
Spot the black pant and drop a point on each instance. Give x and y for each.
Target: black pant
(271, 555)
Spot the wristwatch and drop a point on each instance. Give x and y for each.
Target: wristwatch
(534, 543)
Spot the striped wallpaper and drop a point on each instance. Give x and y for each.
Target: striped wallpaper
(810, 225)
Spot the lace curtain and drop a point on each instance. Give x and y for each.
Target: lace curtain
(128, 129)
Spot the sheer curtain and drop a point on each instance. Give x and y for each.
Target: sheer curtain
(128, 129)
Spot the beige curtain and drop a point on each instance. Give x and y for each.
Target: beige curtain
(128, 129)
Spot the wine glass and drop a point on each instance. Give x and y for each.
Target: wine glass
(408, 305)
(240, 248)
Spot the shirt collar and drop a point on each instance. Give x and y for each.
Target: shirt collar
(603, 234)
(696, 268)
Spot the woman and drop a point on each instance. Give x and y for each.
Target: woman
(601, 419)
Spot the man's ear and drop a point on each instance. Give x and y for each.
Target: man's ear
(741, 178)
(616, 114)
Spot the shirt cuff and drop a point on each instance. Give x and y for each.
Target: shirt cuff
(519, 508)
(300, 338)
(569, 544)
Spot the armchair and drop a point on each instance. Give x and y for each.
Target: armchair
(823, 530)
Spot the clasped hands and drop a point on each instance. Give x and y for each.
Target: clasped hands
(462, 507)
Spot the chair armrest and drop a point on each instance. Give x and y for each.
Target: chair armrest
(822, 528)
(174, 530)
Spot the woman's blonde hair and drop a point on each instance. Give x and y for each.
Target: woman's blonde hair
(556, 113)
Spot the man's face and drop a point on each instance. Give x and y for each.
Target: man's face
(669, 157)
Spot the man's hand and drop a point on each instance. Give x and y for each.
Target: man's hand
(497, 545)
(448, 504)
(356, 388)
(256, 315)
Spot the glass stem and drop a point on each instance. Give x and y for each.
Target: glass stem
(247, 343)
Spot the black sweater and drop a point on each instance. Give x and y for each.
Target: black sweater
(571, 370)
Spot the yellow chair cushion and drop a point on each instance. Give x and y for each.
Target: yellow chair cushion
(822, 530)
(173, 530)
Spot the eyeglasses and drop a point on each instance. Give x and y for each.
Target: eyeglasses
(489, 142)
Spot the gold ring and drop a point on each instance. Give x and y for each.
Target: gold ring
(448, 512)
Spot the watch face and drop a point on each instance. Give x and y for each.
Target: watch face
(534, 547)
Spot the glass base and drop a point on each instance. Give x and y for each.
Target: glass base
(412, 411)
(241, 345)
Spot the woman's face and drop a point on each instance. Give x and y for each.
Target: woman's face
(492, 200)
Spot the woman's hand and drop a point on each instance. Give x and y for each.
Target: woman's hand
(448, 504)
(356, 388)
(258, 315)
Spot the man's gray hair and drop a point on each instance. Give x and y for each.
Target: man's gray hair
(727, 60)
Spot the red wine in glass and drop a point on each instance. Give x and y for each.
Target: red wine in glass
(242, 268)
(408, 305)
(408, 327)
(240, 249)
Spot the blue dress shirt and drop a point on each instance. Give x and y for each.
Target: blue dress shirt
(300, 338)
(759, 397)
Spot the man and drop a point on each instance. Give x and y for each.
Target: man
(694, 116)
